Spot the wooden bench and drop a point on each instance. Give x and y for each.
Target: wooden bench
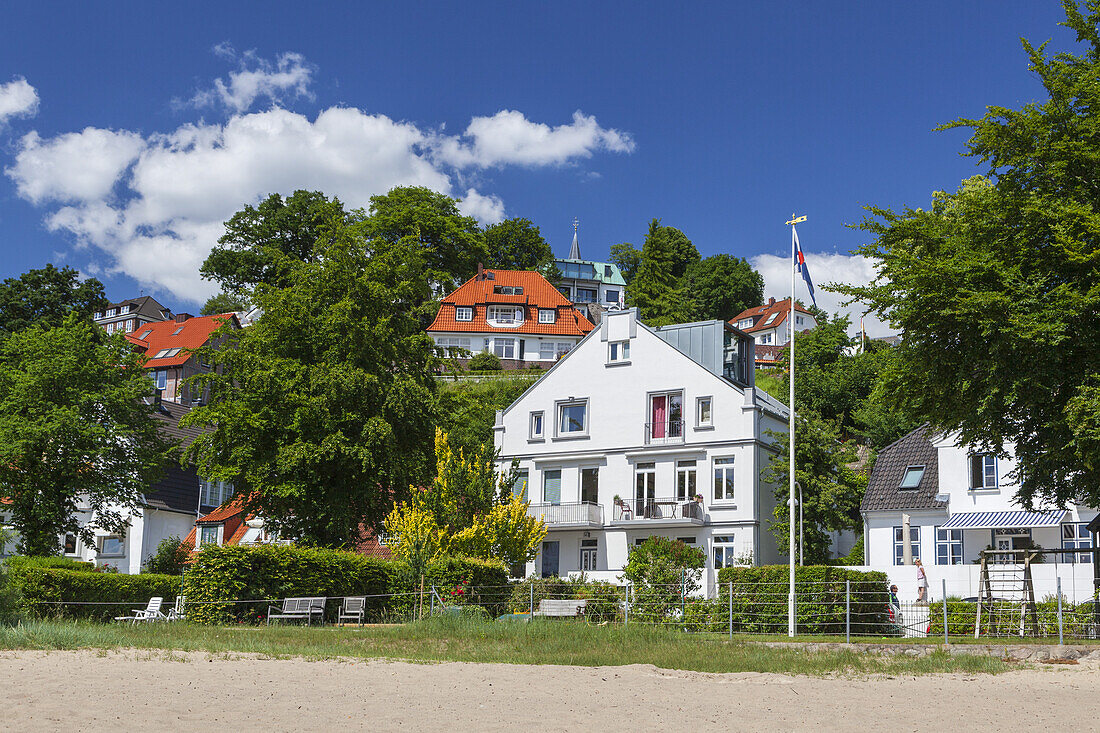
(299, 609)
(560, 608)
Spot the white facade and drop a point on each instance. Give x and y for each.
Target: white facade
(535, 349)
(628, 415)
(970, 482)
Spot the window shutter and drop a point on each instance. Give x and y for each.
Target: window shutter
(976, 472)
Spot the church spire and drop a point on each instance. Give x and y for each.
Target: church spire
(575, 250)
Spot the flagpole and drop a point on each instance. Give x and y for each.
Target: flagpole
(791, 606)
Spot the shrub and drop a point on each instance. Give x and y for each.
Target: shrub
(1077, 619)
(483, 582)
(665, 572)
(10, 610)
(760, 598)
(484, 362)
(605, 601)
(266, 574)
(59, 563)
(46, 592)
(169, 559)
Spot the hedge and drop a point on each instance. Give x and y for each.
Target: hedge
(18, 562)
(482, 583)
(605, 601)
(265, 574)
(760, 599)
(1077, 620)
(44, 592)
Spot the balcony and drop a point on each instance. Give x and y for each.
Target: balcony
(568, 514)
(670, 432)
(667, 511)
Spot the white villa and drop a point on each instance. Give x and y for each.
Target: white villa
(639, 432)
(958, 502)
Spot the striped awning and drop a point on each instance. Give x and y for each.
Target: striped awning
(1004, 520)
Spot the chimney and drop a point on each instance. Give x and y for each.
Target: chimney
(480, 272)
(771, 302)
(181, 317)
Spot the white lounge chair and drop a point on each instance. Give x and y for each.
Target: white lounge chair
(151, 612)
(176, 613)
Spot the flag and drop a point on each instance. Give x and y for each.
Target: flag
(802, 266)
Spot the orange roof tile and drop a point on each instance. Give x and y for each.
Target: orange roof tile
(231, 508)
(760, 315)
(193, 333)
(538, 293)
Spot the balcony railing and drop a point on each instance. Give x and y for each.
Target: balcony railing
(660, 508)
(663, 433)
(576, 513)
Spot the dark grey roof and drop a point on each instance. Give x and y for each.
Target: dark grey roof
(178, 488)
(914, 449)
(169, 415)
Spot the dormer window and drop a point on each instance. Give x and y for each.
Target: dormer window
(911, 478)
(505, 315)
(745, 323)
(547, 316)
(110, 312)
(209, 534)
(507, 290)
(464, 313)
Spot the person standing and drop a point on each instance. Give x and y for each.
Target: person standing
(922, 582)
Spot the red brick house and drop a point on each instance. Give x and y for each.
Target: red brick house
(516, 314)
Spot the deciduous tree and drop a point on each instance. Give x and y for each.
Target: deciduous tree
(46, 296)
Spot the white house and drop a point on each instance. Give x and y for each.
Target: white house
(770, 326)
(958, 502)
(589, 283)
(639, 432)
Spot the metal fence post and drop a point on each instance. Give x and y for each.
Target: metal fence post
(626, 613)
(1059, 591)
(531, 605)
(943, 600)
(683, 591)
(431, 612)
(730, 611)
(848, 611)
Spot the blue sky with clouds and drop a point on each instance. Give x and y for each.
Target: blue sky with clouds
(128, 133)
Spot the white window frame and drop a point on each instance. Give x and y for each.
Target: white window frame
(1082, 540)
(618, 352)
(744, 323)
(771, 318)
(559, 408)
(987, 459)
(501, 347)
(899, 545)
(687, 473)
(728, 466)
(540, 417)
(766, 338)
(522, 475)
(547, 315)
(101, 543)
(563, 348)
(952, 540)
(215, 493)
(160, 379)
(219, 534)
(547, 351)
(495, 312)
(724, 552)
(699, 422)
(464, 313)
(65, 542)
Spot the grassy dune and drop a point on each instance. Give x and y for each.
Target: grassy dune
(467, 640)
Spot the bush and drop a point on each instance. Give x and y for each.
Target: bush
(58, 563)
(482, 582)
(10, 610)
(45, 592)
(484, 362)
(665, 572)
(605, 601)
(266, 574)
(169, 559)
(1077, 620)
(760, 599)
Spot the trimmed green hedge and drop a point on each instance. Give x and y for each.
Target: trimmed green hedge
(19, 562)
(760, 599)
(1077, 620)
(46, 592)
(262, 575)
(605, 601)
(482, 582)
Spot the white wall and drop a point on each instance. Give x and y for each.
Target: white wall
(532, 343)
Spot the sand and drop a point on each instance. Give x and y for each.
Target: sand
(155, 691)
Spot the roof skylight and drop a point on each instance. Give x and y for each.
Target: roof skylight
(912, 476)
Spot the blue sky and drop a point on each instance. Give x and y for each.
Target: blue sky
(131, 133)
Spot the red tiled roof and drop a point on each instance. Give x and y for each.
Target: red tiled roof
(760, 315)
(369, 545)
(537, 294)
(154, 338)
(231, 508)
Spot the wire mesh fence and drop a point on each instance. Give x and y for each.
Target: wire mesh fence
(827, 609)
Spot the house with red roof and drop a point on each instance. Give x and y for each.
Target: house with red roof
(169, 350)
(770, 327)
(131, 315)
(516, 314)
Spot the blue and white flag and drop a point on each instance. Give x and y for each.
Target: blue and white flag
(802, 266)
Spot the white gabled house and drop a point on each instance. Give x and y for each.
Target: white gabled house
(639, 432)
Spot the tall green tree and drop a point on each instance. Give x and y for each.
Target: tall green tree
(627, 258)
(721, 286)
(516, 244)
(224, 302)
(264, 243)
(996, 285)
(46, 296)
(831, 487)
(449, 244)
(74, 429)
(324, 409)
(656, 289)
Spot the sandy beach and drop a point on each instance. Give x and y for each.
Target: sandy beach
(90, 690)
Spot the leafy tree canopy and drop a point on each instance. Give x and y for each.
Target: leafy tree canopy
(627, 258)
(264, 243)
(224, 302)
(995, 286)
(516, 244)
(721, 286)
(324, 408)
(656, 289)
(449, 244)
(46, 296)
(74, 430)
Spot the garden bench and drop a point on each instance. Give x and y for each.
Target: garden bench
(354, 609)
(554, 608)
(299, 609)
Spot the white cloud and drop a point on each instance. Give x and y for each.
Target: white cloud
(76, 166)
(824, 268)
(288, 77)
(17, 99)
(509, 138)
(156, 204)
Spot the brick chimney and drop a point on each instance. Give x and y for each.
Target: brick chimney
(771, 302)
(181, 317)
